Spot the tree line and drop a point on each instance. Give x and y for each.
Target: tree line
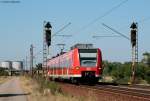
(121, 72)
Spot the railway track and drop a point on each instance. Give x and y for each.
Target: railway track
(122, 90)
(137, 92)
(126, 92)
(139, 86)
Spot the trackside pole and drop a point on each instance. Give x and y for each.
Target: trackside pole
(134, 43)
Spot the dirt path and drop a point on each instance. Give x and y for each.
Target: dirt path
(11, 91)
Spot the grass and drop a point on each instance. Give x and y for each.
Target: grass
(40, 89)
(46, 84)
(4, 79)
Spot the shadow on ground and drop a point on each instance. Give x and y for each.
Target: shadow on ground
(10, 95)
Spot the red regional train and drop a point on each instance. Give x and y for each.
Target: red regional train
(77, 65)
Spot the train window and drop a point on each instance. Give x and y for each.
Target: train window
(70, 62)
(56, 64)
(88, 57)
(62, 64)
(67, 63)
(88, 62)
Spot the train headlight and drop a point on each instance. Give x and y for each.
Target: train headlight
(77, 68)
(99, 68)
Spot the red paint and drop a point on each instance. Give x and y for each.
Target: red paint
(56, 67)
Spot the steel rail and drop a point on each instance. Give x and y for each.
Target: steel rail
(111, 90)
(127, 90)
(118, 92)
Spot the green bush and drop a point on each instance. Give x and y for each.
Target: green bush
(45, 83)
(121, 73)
(55, 88)
(3, 72)
(147, 76)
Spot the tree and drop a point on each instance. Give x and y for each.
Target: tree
(146, 58)
(39, 66)
(3, 72)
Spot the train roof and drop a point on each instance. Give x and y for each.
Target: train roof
(65, 53)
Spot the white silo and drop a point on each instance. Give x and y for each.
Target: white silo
(6, 64)
(17, 65)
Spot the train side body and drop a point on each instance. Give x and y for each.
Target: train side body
(77, 65)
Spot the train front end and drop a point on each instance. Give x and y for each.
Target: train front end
(88, 65)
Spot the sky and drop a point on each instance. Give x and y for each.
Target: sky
(21, 24)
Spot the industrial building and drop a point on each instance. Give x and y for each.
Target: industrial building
(13, 65)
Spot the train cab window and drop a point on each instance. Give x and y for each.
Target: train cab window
(88, 57)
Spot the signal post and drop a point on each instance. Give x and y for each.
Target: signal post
(46, 43)
(134, 44)
(31, 59)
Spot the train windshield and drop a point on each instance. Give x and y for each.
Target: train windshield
(88, 57)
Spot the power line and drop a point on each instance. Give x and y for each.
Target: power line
(96, 36)
(140, 21)
(64, 35)
(115, 31)
(38, 53)
(44, 46)
(10, 1)
(102, 16)
(61, 29)
(143, 20)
